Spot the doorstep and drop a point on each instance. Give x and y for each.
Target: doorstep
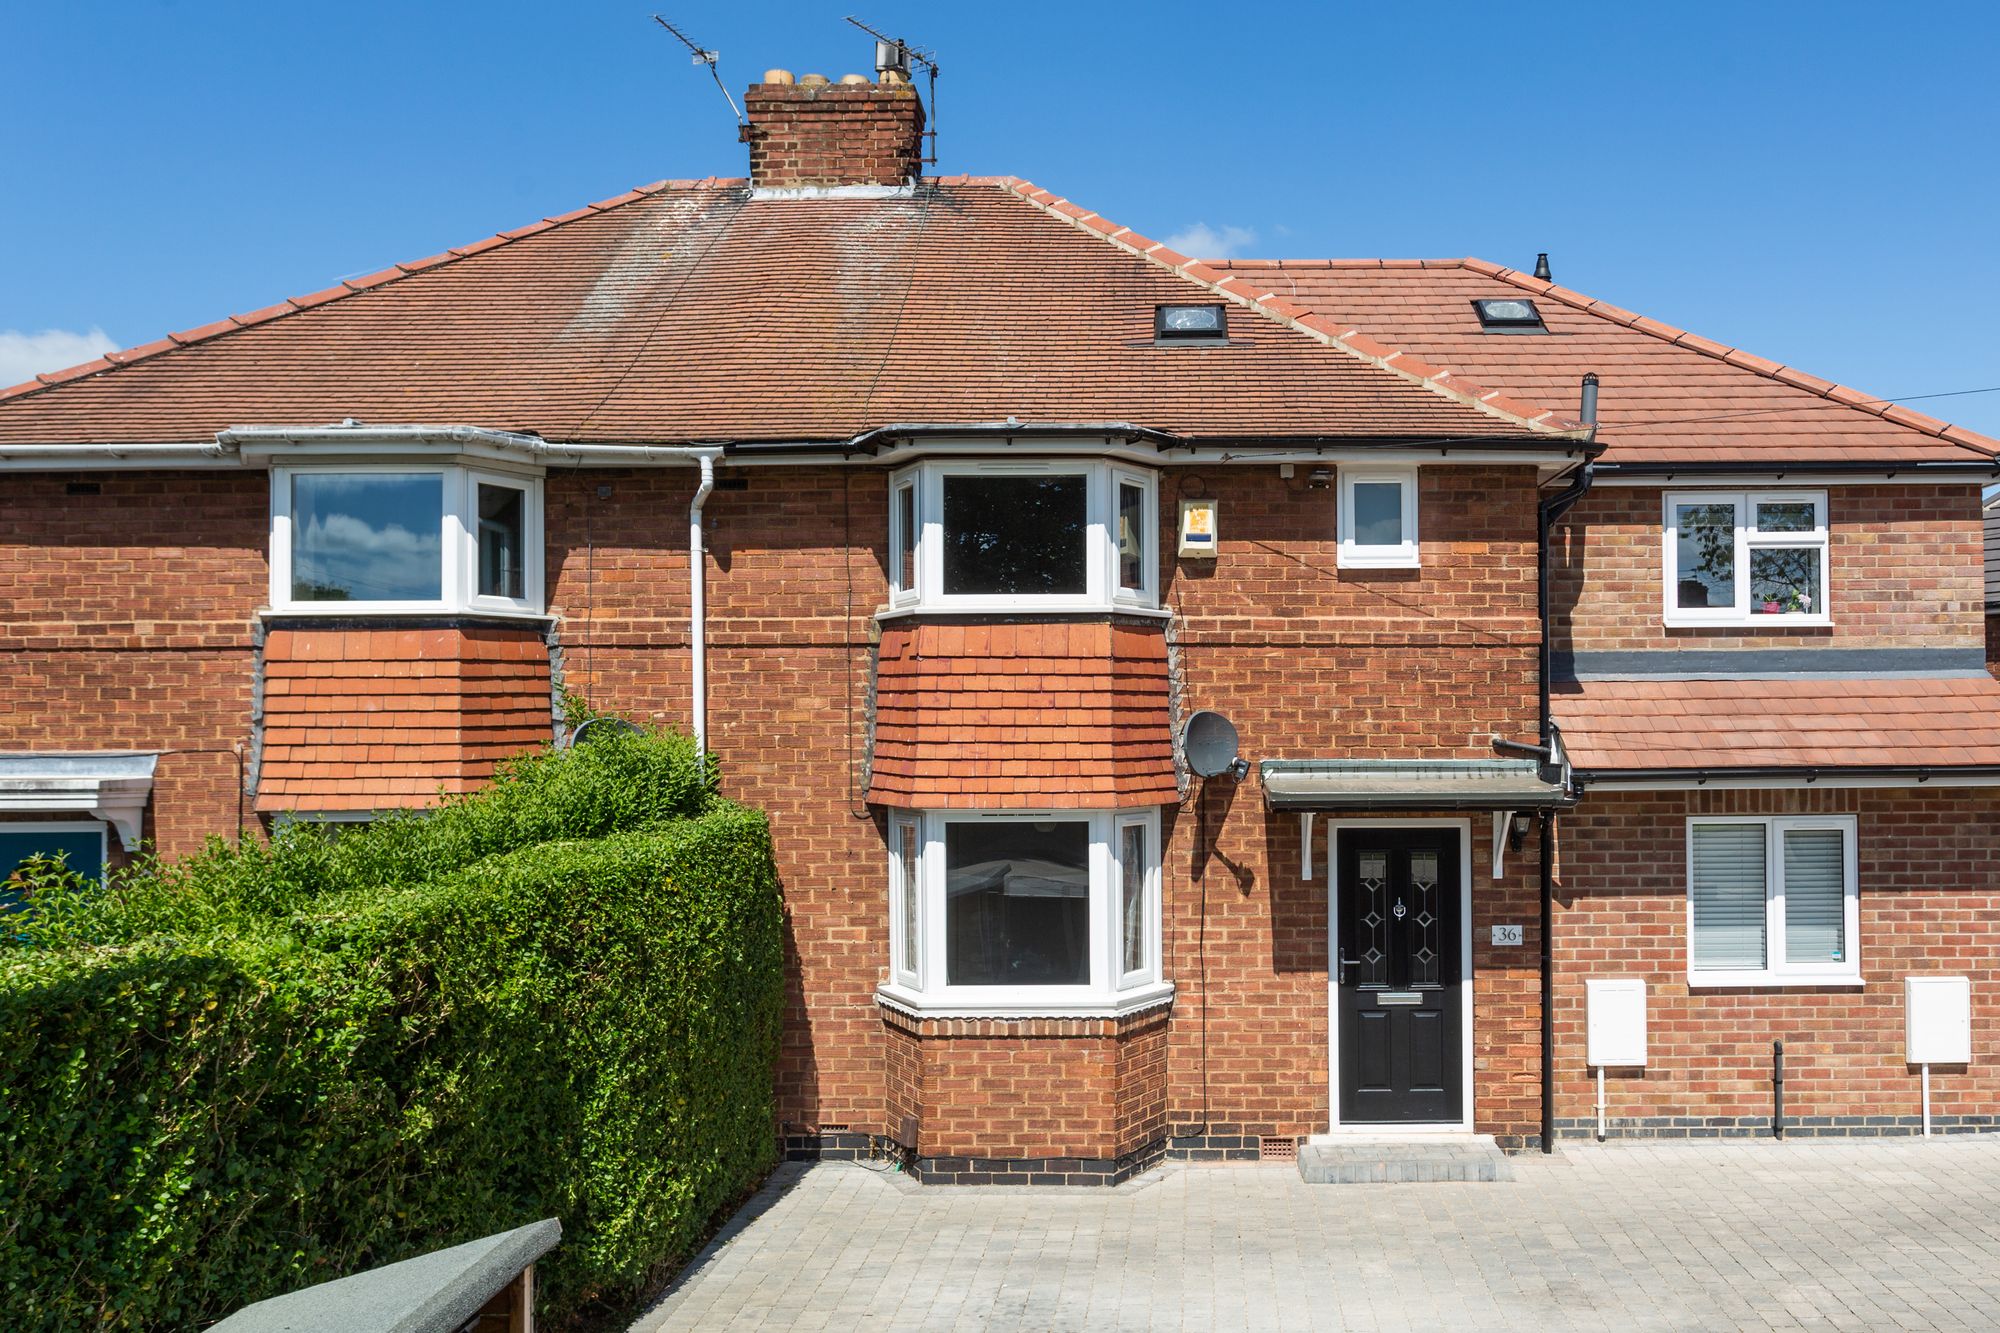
(1405, 1159)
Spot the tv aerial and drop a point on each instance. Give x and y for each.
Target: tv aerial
(703, 56)
(893, 54)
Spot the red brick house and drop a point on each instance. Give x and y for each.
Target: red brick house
(1673, 676)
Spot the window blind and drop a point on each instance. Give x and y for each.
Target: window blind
(1728, 896)
(1815, 896)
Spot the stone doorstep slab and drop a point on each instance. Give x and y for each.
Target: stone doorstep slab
(1404, 1161)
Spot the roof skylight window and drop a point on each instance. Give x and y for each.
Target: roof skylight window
(1509, 315)
(1175, 323)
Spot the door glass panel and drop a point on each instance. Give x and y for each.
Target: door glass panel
(1425, 924)
(1017, 903)
(1705, 556)
(1372, 918)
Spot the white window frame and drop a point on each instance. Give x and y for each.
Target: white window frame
(1110, 991)
(1147, 593)
(910, 480)
(1352, 554)
(1148, 970)
(1777, 971)
(458, 541)
(1748, 539)
(1101, 591)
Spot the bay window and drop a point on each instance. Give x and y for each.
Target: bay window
(1772, 901)
(1022, 535)
(401, 538)
(1024, 914)
(1745, 557)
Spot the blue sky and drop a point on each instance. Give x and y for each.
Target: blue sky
(1814, 182)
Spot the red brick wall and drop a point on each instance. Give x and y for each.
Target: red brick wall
(129, 619)
(839, 135)
(1929, 877)
(1904, 571)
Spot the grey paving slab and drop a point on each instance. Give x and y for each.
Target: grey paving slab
(1889, 1234)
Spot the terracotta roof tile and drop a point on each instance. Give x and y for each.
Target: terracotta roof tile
(1034, 713)
(374, 719)
(1667, 395)
(1716, 724)
(692, 311)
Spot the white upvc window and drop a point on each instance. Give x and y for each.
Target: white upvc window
(405, 538)
(1023, 534)
(1377, 518)
(1745, 558)
(1046, 914)
(1772, 901)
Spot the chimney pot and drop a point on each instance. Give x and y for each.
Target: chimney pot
(814, 81)
(849, 80)
(778, 76)
(1542, 266)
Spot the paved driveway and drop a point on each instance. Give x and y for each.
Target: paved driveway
(1869, 1235)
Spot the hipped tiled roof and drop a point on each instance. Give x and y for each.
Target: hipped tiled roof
(358, 719)
(1612, 725)
(1030, 714)
(693, 310)
(1667, 395)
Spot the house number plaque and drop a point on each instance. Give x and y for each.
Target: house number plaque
(1506, 934)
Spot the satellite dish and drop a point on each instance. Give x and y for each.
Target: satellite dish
(1209, 741)
(594, 728)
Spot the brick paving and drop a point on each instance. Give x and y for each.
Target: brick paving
(1864, 1235)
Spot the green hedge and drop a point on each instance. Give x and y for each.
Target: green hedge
(196, 1119)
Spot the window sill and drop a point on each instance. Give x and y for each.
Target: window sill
(1772, 981)
(374, 611)
(1749, 622)
(1366, 561)
(1095, 609)
(919, 1005)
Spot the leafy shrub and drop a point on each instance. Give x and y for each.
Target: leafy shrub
(250, 1103)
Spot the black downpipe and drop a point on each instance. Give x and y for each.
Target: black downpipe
(1777, 1089)
(1547, 513)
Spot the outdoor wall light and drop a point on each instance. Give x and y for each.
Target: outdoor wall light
(1319, 479)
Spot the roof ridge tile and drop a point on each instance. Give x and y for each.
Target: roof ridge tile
(346, 287)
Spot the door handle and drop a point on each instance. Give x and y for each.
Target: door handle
(1345, 963)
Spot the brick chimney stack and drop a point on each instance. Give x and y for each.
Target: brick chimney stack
(814, 133)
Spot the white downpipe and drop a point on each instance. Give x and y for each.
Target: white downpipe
(698, 602)
(1927, 1101)
(1601, 1126)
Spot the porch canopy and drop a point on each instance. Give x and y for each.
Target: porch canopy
(1321, 785)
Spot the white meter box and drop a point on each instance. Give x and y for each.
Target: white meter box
(1615, 1022)
(1937, 1020)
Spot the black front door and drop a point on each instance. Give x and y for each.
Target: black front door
(1398, 972)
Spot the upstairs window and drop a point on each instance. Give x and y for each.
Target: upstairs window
(404, 539)
(997, 536)
(1378, 518)
(1746, 557)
